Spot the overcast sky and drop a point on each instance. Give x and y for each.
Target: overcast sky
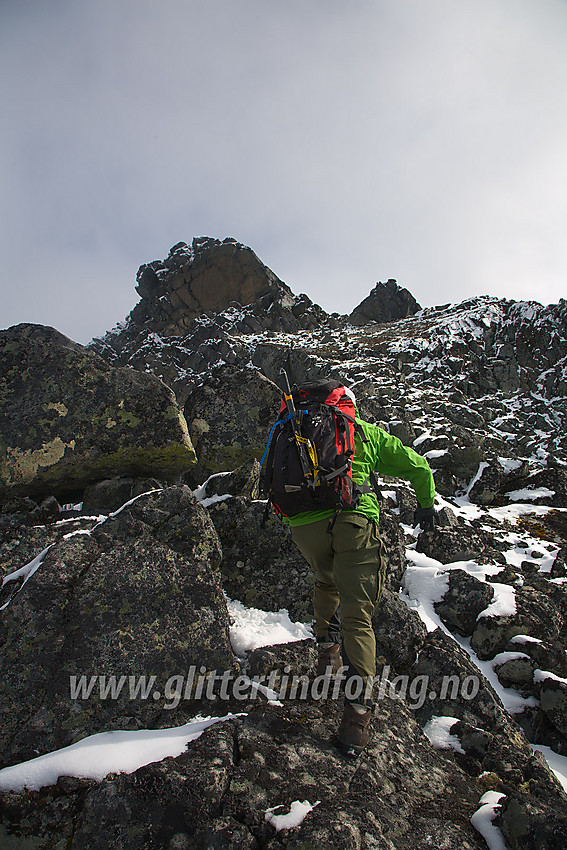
(344, 141)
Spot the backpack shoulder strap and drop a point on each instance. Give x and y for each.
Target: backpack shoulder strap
(271, 434)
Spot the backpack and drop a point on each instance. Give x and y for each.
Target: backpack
(308, 459)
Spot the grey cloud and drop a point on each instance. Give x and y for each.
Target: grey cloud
(345, 143)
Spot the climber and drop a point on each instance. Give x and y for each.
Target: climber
(349, 561)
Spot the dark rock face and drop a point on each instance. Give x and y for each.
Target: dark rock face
(68, 419)
(208, 276)
(109, 495)
(387, 302)
(493, 482)
(524, 824)
(261, 567)
(229, 417)
(400, 633)
(394, 541)
(138, 595)
(289, 659)
(243, 481)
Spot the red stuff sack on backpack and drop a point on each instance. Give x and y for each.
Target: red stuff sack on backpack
(308, 459)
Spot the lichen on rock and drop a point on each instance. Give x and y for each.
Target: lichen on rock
(68, 419)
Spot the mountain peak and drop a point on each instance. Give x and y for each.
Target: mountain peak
(209, 275)
(387, 302)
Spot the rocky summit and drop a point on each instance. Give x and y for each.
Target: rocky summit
(157, 672)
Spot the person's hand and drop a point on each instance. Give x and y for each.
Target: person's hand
(426, 518)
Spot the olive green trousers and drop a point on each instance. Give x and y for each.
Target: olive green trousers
(350, 566)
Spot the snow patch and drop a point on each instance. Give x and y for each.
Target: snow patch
(503, 604)
(526, 495)
(542, 675)
(296, 815)
(107, 752)
(483, 817)
(424, 584)
(25, 573)
(252, 628)
(503, 658)
(524, 639)
(437, 730)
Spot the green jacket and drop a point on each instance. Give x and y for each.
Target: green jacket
(385, 455)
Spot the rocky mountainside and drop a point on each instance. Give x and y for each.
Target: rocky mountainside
(132, 546)
(473, 382)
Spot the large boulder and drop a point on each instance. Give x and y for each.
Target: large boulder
(539, 613)
(464, 600)
(399, 631)
(138, 596)
(229, 418)
(68, 419)
(461, 542)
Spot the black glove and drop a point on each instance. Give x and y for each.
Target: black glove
(426, 517)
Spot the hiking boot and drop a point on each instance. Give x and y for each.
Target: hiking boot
(329, 660)
(354, 731)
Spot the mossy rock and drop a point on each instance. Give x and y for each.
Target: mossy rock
(68, 419)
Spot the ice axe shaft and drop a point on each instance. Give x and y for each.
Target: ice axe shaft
(301, 442)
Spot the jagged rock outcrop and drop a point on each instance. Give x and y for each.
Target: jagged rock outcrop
(68, 419)
(136, 594)
(197, 308)
(387, 302)
(208, 276)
